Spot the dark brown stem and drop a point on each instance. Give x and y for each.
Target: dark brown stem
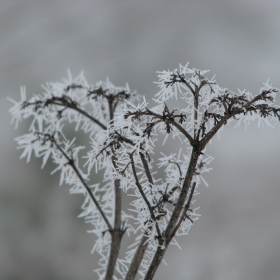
(148, 173)
(116, 237)
(184, 81)
(174, 123)
(156, 262)
(159, 254)
(143, 195)
(184, 213)
(138, 256)
(215, 129)
(139, 185)
(76, 108)
(177, 215)
(184, 192)
(261, 96)
(118, 231)
(72, 164)
(89, 116)
(196, 96)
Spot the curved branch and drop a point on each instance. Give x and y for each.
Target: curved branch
(215, 129)
(83, 113)
(148, 112)
(72, 164)
(143, 194)
(65, 102)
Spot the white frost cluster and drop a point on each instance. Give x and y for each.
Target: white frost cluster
(122, 146)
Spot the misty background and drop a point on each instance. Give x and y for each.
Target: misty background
(238, 234)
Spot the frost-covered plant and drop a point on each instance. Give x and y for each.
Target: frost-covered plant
(123, 133)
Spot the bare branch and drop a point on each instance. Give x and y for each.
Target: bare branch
(184, 213)
(138, 257)
(143, 194)
(71, 162)
(64, 101)
(168, 119)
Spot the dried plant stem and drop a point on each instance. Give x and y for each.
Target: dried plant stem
(138, 257)
(72, 164)
(124, 136)
(117, 232)
(160, 252)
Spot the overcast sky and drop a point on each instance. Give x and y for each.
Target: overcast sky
(237, 236)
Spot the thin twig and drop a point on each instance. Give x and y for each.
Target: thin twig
(138, 256)
(184, 213)
(72, 164)
(143, 194)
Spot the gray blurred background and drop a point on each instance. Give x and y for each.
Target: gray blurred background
(238, 234)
